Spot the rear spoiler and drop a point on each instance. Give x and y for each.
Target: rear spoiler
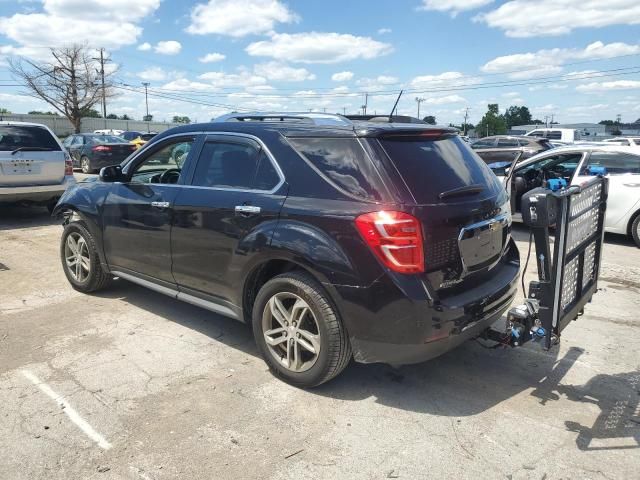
(412, 133)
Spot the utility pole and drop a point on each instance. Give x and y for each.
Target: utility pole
(102, 61)
(546, 121)
(552, 115)
(344, 111)
(366, 102)
(419, 100)
(146, 101)
(466, 116)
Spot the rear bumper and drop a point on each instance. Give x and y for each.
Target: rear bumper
(393, 325)
(35, 193)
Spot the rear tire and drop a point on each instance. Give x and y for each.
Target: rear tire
(85, 164)
(80, 260)
(314, 346)
(635, 230)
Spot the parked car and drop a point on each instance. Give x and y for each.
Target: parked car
(624, 141)
(109, 131)
(504, 148)
(34, 168)
(142, 139)
(334, 239)
(90, 152)
(575, 165)
(568, 135)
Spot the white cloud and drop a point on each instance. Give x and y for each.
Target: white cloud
(550, 62)
(384, 31)
(511, 94)
(238, 18)
(379, 80)
(146, 46)
(98, 23)
(445, 100)
(153, 74)
(612, 85)
(280, 72)
(442, 80)
(453, 6)
(212, 57)
(243, 79)
(318, 47)
(342, 76)
(168, 47)
(526, 18)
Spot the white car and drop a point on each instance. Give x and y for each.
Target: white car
(564, 135)
(34, 167)
(109, 131)
(624, 141)
(575, 164)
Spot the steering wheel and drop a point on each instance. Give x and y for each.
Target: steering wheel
(168, 175)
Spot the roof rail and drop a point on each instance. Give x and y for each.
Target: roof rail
(322, 119)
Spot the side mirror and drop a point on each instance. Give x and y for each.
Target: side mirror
(112, 173)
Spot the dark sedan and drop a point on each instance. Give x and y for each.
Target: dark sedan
(503, 148)
(91, 151)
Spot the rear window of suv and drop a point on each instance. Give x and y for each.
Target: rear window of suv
(26, 136)
(431, 167)
(344, 164)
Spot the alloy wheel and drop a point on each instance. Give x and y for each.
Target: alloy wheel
(291, 331)
(84, 165)
(76, 254)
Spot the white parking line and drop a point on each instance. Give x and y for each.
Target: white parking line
(80, 422)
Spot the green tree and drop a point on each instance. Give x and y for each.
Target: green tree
(38, 112)
(430, 119)
(125, 117)
(112, 116)
(147, 118)
(537, 121)
(179, 119)
(492, 123)
(4, 111)
(90, 113)
(517, 115)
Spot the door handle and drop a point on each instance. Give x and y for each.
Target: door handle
(160, 204)
(247, 210)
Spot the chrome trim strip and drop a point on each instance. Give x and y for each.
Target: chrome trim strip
(147, 284)
(213, 307)
(185, 297)
(263, 146)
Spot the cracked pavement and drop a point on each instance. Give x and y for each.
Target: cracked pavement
(180, 392)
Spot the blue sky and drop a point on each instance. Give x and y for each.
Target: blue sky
(577, 60)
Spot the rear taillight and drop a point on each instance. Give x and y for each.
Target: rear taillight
(396, 238)
(68, 164)
(101, 148)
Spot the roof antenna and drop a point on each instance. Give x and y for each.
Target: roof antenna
(395, 105)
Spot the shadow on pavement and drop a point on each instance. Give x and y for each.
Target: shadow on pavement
(463, 382)
(18, 217)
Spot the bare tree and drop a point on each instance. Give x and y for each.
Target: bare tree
(70, 81)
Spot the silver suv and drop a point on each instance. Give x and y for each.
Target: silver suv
(34, 167)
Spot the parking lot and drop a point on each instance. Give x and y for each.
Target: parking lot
(132, 384)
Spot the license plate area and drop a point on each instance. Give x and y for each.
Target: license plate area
(481, 244)
(20, 167)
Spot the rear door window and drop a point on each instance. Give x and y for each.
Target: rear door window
(508, 143)
(344, 164)
(431, 167)
(483, 144)
(614, 162)
(26, 136)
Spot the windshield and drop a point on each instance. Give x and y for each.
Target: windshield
(431, 167)
(26, 136)
(99, 139)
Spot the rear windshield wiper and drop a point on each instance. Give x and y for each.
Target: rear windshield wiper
(462, 191)
(31, 149)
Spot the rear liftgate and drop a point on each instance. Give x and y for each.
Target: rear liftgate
(566, 284)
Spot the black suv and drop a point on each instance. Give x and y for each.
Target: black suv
(504, 148)
(334, 239)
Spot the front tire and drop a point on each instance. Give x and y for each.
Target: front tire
(80, 260)
(635, 230)
(298, 331)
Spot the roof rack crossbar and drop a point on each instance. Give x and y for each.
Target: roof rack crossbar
(326, 119)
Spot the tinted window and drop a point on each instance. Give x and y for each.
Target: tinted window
(227, 165)
(430, 167)
(19, 136)
(615, 163)
(483, 144)
(636, 141)
(508, 143)
(99, 139)
(266, 176)
(171, 156)
(344, 163)
(554, 135)
(77, 141)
